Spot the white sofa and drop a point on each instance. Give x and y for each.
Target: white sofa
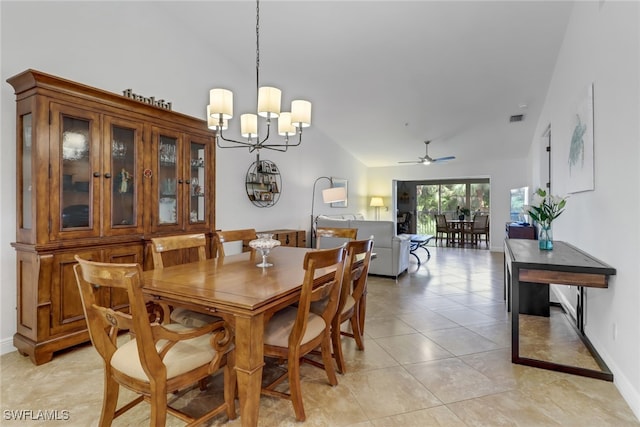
(392, 251)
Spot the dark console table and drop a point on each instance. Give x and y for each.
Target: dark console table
(534, 297)
(564, 265)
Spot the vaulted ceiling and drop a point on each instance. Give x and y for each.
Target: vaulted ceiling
(384, 76)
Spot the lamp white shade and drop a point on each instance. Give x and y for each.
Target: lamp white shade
(285, 128)
(301, 113)
(376, 202)
(214, 123)
(249, 125)
(221, 103)
(334, 194)
(269, 101)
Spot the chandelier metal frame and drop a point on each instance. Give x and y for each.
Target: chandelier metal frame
(290, 124)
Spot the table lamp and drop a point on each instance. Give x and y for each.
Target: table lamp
(376, 202)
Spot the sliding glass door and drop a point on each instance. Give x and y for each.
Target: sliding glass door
(444, 197)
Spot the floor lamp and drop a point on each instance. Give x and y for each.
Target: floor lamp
(330, 195)
(376, 202)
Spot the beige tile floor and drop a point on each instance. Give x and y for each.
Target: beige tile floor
(437, 354)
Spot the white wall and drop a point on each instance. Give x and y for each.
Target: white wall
(503, 174)
(107, 45)
(602, 46)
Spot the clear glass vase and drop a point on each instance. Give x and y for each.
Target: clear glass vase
(545, 237)
(263, 244)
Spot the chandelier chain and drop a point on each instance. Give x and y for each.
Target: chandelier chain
(220, 109)
(257, 46)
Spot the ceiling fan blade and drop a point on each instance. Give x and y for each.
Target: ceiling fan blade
(412, 161)
(442, 159)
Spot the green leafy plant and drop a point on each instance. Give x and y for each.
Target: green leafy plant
(463, 211)
(545, 208)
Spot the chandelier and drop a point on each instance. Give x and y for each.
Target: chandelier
(290, 124)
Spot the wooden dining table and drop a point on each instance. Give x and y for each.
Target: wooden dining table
(461, 226)
(235, 288)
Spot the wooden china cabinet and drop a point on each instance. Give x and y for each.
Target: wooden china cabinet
(98, 175)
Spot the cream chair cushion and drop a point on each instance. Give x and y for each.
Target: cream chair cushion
(192, 319)
(182, 357)
(280, 325)
(349, 303)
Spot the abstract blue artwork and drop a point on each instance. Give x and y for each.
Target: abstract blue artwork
(581, 155)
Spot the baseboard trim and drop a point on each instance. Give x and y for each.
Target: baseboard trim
(622, 383)
(6, 346)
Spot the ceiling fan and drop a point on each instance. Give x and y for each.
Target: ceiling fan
(426, 160)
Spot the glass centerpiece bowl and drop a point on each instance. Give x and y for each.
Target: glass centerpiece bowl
(263, 244)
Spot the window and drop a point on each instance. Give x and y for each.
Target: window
(444, 196)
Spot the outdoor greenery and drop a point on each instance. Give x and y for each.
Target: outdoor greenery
(445, 198)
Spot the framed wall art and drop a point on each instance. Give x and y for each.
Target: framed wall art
(340, 182)
(581, 152)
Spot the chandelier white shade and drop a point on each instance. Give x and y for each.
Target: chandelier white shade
(249, 126)
(290, 123)
(213, 123)
(285, 128)
(221, 104)
(269, 101)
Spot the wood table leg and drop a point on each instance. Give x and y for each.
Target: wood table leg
(249, 363)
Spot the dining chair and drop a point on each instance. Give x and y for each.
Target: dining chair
(443, 228)
(228, 236)
(158, 359)
(182, 249)
(336, 234)
(295, 331)
(353, 298)
(479, 228)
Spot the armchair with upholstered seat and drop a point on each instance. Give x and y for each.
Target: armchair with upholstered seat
(353, 299)
(159, 359)
(179, 250)
(443, 228)
(479, 228)
(296, 331)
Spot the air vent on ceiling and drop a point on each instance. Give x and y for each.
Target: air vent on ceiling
(516, 118)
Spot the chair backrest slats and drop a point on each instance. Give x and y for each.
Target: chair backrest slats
(182, 243)
(227, 236)
(91, 276)
(335, 233)
(325, 287)
(356, 270)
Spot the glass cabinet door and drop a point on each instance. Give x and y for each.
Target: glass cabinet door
(75, 172)
(167, 183)
(198, 160)
(123, 151)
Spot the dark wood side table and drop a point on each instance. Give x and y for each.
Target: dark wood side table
(564, 265)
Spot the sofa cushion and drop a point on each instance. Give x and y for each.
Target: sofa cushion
(383, 232)
(343, 217)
